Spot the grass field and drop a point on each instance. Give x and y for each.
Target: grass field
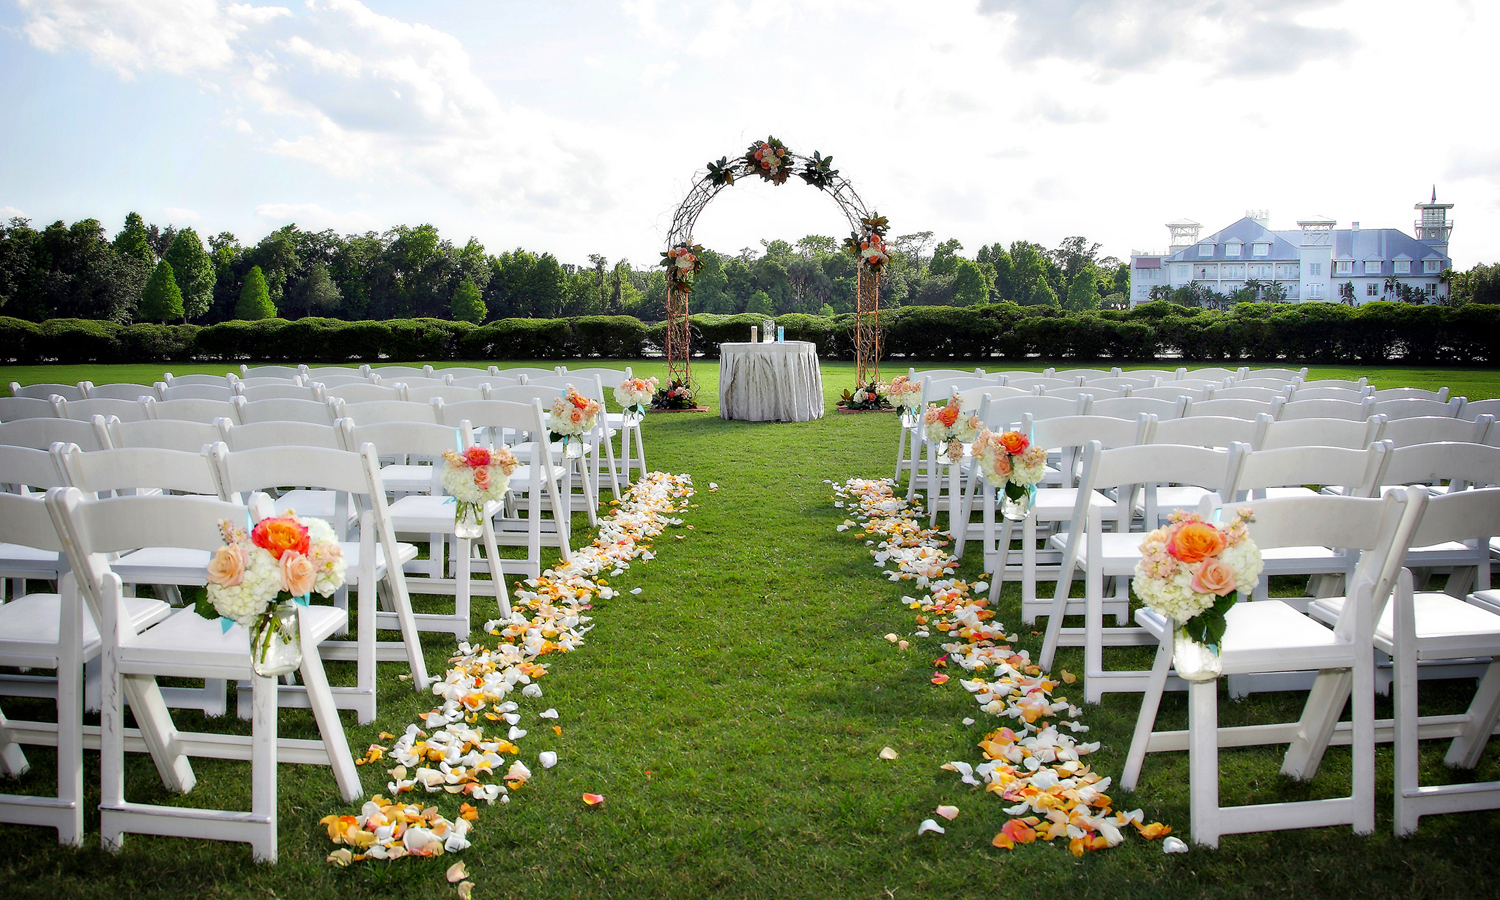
(732, 714)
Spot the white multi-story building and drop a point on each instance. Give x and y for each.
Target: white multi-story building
(1312, 263)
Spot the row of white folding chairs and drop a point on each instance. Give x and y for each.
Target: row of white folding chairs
(1379, 610)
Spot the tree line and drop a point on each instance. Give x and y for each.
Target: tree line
(147, 273)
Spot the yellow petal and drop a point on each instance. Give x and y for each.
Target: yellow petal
(887, 753)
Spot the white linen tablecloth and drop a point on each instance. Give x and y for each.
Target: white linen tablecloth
(770, 382)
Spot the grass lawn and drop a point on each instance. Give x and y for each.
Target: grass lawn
(732, 714)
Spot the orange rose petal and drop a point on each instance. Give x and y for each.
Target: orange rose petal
(939, 678)
(593, 799)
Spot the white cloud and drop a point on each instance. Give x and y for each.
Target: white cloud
(175, 213)
(10, 212)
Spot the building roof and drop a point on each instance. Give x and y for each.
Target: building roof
(1246, 231)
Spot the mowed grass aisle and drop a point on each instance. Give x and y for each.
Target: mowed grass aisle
(732, 714)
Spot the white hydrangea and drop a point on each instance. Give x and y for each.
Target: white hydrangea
(245, 601)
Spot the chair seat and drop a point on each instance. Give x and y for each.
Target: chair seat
(1054, 503)
(405, 479)
(29, 626)
(314, 504)
(405, 552)
(1121, 550)
(1170, 497)
(1446, 627)
(1264, 631)
(1489, 600)
(195, 644)
(1303, 560)
(162, 565)
(17, 560)
(427, 514)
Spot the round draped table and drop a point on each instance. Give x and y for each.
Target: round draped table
(770, 382)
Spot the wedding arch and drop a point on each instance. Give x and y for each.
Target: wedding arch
(772, 161)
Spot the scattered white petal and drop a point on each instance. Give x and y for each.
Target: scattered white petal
(1173, 845)
(929, 825)
(547, 758)
(517, 733)
(968, 721)
(548, 714)
(635, 590)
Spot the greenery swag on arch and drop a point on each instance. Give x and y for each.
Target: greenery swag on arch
(774, 162)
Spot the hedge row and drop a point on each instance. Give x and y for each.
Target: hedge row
(1310, 332)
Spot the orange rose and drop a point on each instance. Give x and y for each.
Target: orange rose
(227, 568)
(298, 575)
(482, 478)
(280, 535)
(1214, 577)
(1014, 442)
(948, 415)
(1194, 542)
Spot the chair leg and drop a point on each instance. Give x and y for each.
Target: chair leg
(320, 698)
(497, 571)
(1203, 761)
(263, 762)
(156, 727)
(12, 758)
(1145, 722)
(1325, 701)
(1093, 634)
(640, 452)
(70, 721)
(1466, 749)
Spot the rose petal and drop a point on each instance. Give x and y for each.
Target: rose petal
(929, 825)
(593, 799)
(547, 758)
(465, 890)
(457, 872)
(887, 753)
(948, 812)
(1173, 845)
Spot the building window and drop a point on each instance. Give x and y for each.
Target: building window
(1372, 267)
(1205, 249)
(1231, 249)
(1372, 290)
(1314, 291)
(1180, 273)
(1342, 267)
(1432, 266)
(1403, 267)
(1261, 249)
(1431, 289)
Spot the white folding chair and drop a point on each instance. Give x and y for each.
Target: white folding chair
(1297, 375)
(287, 372)
(188, 645)
(1327, 409)
(1113, 555)
(1409, 393)
(356, 475)
(448, 393)
(1089, 375)
(1171, 391)
(1473, 409)
(281, 391)
(45, 390)
(226, 380)
(1165, 375)
(1215, 373)
(39, 434)
(1352, 434)
(1412, 407)
(162, 434)
(192, 410)
(1353, 395)
(355, 393)
(1238, 391)
(374, 412)
(1358, 384)
(282, 410)
(1434, 429)
(118, 391)
(1210, 431)
(220, 391)
(84, 410)
(1236, 409)
(1130, 407)
(1088, 390)
(1270, 637)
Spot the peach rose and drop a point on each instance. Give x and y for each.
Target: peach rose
(280, 535)
(482, 478)
(1214, 577)
(576, 416)
(227, 568)
(1195, 542)
(1002, 466)
(1014, 442)
(298, 575)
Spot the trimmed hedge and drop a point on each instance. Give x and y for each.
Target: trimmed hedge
(1293, 332)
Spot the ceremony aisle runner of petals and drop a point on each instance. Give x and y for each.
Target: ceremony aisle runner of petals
(1034, 763)
(449, 752)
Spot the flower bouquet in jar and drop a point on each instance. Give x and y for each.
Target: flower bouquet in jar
(572, 416)
(1014, 465)
(1192, 571)
(951, 426)
(257, 578)
(634, 396)
(906, 395)
(474, 478)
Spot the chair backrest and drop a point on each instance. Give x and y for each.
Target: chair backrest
(39, 434)
(1088, 375)
(452, 372)
(938, 390)
(1253, 392)
(24, 520)
(1410, 393)
(373, 411)
(1378, 528)
(225, 380)
(1461, 463)
(221, 391)
(1353, 395)
(1076, 391)
(406, 382)
(970, 398)
(1005, 412)
(1236, 409)
(1043, 382)
(281, 391)
(1209, 431)
(482, 381)
(13, 409)
(22, 468)
(915, 375)
(83, 410)
(1357, 471)
(1118, 382)
(1472, 517)
(242, 384)
(525, 393)
(448, 393)
(1171, 391)
(1413, 407)
(529, 371)
(313, 411)
(505, 415)
(256, 435)
(419, 439)
(164, 434)
(1213, 373)
(1163, 374)
(193, 410)
(609, 377)
(1327, 409)
(1473, 409)
(1068, 435)
(331, 381)
(389, 374)
(43, 390)
(1433, 429)
(241, 474)
(287, 372)
(1198, 383)
(1130, 407)
(118, 391)
(1356, 385)
(1279, 374)
(365, 393)
(1141, 468)
(134, 469)
(1350, 434)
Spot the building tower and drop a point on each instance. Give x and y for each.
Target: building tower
(1434, 227)
(1184, 234)
(1317, 258)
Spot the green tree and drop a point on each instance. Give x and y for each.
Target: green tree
(316, 293)
(945, 258)
(194, 271)
(255, 299)
(1083, 291)
(1043, 295)
(760, 304)
(969, 285)
(132, 241)
(468, 303)
(161, 300)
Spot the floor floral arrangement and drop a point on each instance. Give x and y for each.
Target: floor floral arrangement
(1033, 761)
(449, 752)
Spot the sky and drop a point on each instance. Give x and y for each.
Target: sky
(578, 127)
